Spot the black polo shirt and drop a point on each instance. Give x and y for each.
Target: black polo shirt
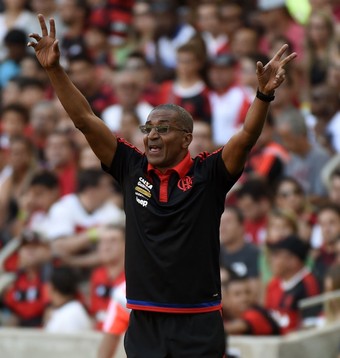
(172, 230)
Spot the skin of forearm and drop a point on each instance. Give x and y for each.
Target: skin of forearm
(254, 122)
(72, 244)
(70, 97)
(83, 261)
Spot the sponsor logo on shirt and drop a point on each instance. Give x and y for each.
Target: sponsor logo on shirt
(143, 191)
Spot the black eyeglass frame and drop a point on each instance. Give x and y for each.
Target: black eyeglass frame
(160, 128)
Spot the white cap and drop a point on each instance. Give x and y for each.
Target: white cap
(266, 5)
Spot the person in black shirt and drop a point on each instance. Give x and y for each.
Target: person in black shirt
(173, 205)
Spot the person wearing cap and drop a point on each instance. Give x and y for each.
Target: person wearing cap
(229, 102)
(173, 205)
(292, 282)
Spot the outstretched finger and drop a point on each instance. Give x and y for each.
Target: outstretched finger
(52, 28)
(279, 53)
(259, 67)
(42, 25)
(288, 59)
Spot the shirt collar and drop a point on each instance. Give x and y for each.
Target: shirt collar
(181, 168)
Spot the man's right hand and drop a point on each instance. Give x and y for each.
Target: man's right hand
(46, 46)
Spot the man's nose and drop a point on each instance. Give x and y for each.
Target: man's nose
(153, 133)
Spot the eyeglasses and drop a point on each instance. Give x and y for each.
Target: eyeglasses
(160, 129)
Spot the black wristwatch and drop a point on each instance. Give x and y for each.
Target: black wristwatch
(265, 97)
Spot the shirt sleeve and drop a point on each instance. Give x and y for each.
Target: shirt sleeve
(124, 160)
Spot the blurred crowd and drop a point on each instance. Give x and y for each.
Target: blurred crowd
(62, 218)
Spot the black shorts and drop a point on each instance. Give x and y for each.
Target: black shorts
(168, 335)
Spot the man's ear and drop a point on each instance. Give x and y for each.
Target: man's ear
(187, 139)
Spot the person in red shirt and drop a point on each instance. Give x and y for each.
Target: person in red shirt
(110, 274)
(253, 199)
(116, 322)
(241, 316)
(26, 297)
(188, 89)
(292, 282)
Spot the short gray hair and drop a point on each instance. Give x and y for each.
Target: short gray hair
(295, 120)
(183, 116)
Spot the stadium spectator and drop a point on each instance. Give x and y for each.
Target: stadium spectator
(26, 297)
(15, 15)
(14, 120)
(169, 35)
(306, 159)
(60, 157)
(254, 200)
(325, 107)
(247, 72)
(241, 256)
(277, 21)
(209, 24)
(229, 102)
(289, 196)
(23, 163)
(245, 43)
(128, 92)
(328, 218)
(43, 121)
(74, 218)
(83, 73)
(32, 91)
(201, 139)
(281, 223)
(143, 26)
(33, 206)
(334, 186)
(67, 314)
(73, 16)
(241, 315)
(42, 192)
(137, 63)
(319, 46)
(87, 159)
(268, 158)
(48, 8)
(232, 19)
(15, 41)
(116, 323)
(188, 89)
(109, 274)
(129, 125)
(291, 283)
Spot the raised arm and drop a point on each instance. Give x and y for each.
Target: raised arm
(98, 135)
(269, 77)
